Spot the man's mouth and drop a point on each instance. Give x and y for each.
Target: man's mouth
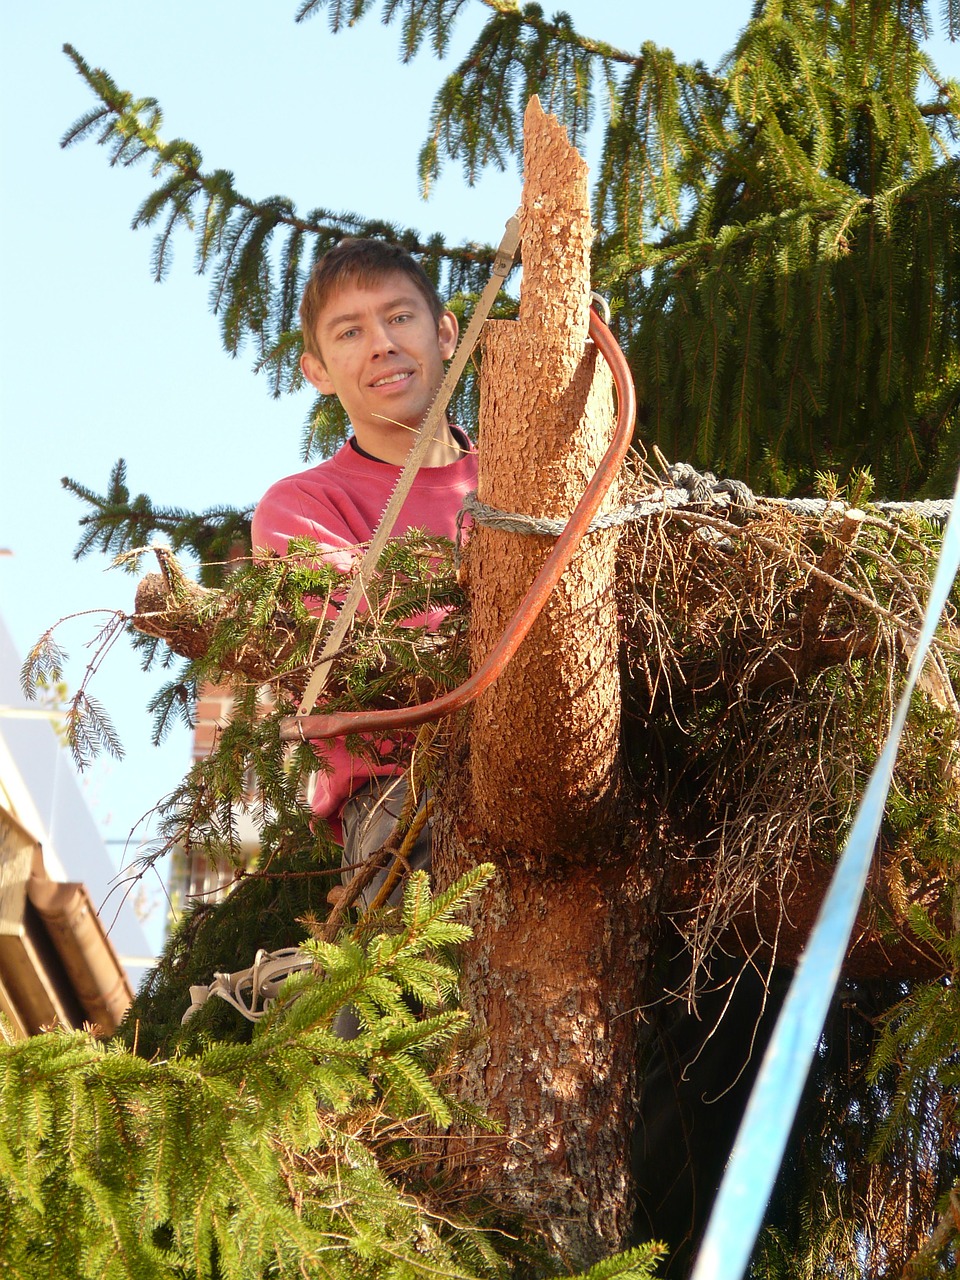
(390, 377)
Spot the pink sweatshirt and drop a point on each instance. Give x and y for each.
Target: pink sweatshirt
(339, 504)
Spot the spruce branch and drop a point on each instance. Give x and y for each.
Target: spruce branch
(559, 28)
(258, 632)
(43, 665)
(245, 1159)
(90, 730)
(87, 727)
(633, 1264)
(477, 113)
(119, 524)
(255, 284)
(124, 124)
(437, 17)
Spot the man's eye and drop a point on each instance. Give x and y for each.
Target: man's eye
(404, 317)
(349, 333)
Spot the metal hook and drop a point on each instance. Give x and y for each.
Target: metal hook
(603, 306)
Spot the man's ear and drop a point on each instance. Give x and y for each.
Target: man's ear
(315, 372)
(447, 332)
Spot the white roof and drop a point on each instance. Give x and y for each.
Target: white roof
(41, 786)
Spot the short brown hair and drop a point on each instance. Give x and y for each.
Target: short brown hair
(360, 261)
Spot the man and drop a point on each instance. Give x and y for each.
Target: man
(376, 335)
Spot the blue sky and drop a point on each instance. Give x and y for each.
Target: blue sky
(99, 362)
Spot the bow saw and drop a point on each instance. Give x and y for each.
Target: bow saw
(503, 262)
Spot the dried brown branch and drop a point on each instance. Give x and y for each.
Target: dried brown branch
(732, 631)
(186, 617)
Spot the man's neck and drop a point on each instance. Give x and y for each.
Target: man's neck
(393, 445)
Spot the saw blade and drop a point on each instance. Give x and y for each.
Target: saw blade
(425, 435)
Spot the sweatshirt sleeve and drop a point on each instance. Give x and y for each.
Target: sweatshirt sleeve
(277, 519)
(280, 516)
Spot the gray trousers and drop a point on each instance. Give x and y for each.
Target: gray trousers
(368, 818)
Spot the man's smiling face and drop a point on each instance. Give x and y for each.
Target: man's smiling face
(381, 355)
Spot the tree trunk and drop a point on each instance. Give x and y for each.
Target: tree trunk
(546, 417)
(554, 974)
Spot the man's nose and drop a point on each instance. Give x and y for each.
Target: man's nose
(382, 341)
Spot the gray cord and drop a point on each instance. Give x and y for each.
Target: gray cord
(690, 488)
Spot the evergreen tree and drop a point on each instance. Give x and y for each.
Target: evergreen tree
(779, 241)
(778, 236)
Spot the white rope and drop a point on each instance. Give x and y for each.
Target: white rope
(251, 991)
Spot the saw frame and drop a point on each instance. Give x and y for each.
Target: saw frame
(367, 566)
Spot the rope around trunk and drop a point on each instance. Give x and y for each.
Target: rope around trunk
(691, 488)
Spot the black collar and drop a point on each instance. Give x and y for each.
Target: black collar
(458, 433)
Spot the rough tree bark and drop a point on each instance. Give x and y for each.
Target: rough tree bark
(554, 974)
